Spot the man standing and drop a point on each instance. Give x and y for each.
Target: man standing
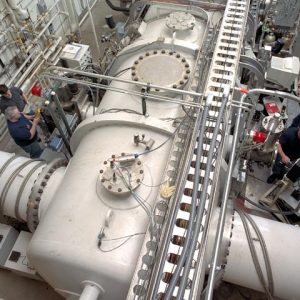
(288, 150)
(12, 97)
(23, 131)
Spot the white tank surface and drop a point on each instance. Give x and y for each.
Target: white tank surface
(94, 228)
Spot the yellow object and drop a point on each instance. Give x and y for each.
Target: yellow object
(167, 191)
(38, 113)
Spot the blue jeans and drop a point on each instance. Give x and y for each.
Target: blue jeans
(34, 149)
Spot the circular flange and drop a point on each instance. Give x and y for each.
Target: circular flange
(121, 176)
(161, 67)
(37, 191)
(179, 21)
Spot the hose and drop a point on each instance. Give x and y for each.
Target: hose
(202, 201)
(265, 253)
(189, 232)
(117, 8)
(254, 255)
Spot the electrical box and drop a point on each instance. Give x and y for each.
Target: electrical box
(76, 56)
(8, 236)
(17, 260)
(283, 71)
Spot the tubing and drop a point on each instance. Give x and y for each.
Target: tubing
(196, 182)
(282, 241)
(203, 197)
(117, 8)
(218, 241)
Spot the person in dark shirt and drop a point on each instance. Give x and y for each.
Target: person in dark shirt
(296, 121)
(23, 131)
(11, 97)
(288, 150)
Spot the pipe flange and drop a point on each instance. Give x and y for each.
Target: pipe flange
(37, 191)
(180, 21)
(164, 68)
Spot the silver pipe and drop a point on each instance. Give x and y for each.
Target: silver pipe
(203, 197)
(48, 11)
(85, 16)
(118, 90)
(110, 78)
(220, 228)
(196, 182)
(93, 26)
(21, 68)
(61, 112)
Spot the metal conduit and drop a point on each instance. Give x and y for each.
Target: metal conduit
(196, 182)
(119, 90)
(200, 212)
(220, 228)
(110, 78)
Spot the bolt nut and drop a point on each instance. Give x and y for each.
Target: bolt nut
(105, 162)
(119, 190)
(101, 171)
(109, 187)
(139, 163)
(102, 180)
(138, 180)
(141, 171)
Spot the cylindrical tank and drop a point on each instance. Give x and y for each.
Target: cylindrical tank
(95, 225)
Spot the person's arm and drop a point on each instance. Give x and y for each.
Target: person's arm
(24, 98)
(33, 127)
(28, 117)
(285, 159)
(23, 95)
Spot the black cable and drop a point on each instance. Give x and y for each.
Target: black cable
(116, 110)
(284, 213)
(121, 72)
(117, 8)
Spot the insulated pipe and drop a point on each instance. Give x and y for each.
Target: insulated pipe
(17, 72)
(111, 78)
(283, 244)
(91, 292)
(18, 175)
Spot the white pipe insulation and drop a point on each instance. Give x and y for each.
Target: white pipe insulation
(18, 175)
(283, 244)
(21, 14)
(20, 178)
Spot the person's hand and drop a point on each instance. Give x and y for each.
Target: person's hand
(29, 117)
(36, 118)
(285, 159)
